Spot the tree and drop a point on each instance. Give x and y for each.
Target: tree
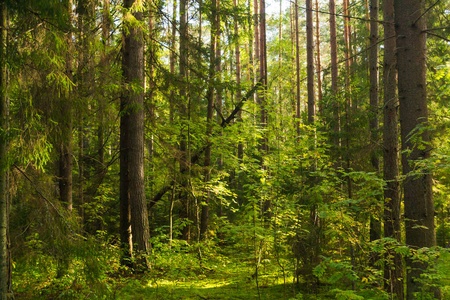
(412, 92)
(393, 270)
(375, 224)
(65, 120)
(134, 225)
(4, 106)
(334, 73)
(215, 31)
(310, 61)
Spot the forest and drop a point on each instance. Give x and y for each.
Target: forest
(225, 149)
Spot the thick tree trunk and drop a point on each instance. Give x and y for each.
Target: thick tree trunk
(412, 92)
(4, 107)
(393, 270)
(134, 215)
(65, 105)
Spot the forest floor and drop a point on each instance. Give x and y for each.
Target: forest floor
(175, 274)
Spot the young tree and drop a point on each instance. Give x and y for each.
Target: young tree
(133, 207)
(412, 91)
(393, 270)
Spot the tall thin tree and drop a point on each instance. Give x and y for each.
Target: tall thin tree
(4, 107)
(375, 224)
(310, 62)
(65, 119)
(393, 270)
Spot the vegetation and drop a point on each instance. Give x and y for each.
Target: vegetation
(224, 149)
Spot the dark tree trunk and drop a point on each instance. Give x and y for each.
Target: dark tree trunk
(318, 60)
(182, 107)
(375, 224)
(209, 114)
(310, 62)
(65, 121)
(393, 270)
(297, 67)
(334, 74)
(134, 215)
(4, 108)
(412, 92)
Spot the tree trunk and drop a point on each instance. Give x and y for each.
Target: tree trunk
(412, 92)
(334, 74)
(310, 61)
(182, 107)
(209, 114)
(375, 224)
(318, 60)
(393, 269)
(134, 216)
(240, 150)
(297, 67)
(4, 107)
(65, 105)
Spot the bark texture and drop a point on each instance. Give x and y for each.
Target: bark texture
(65, 121)
(310, 62)
(134, 216)
(4, 218)
(375, 224)
(411, 61)
(393, 270)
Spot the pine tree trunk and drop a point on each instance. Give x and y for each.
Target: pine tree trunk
(393, 269)
(240, 150)
(334, 74)
(182, 107)
(65, 159)
(412, 92)
(209, 114)
(297, 67)
(4, 107)
(375, 224)
(310, 62)
(134, 213)
(318, 60)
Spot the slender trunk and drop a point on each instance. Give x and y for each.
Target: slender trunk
(134, 214)
(209, 114)
(183, 109)
(318, 61)
(393, 269)
(375, 224)
(310, 62)
(411, 62)
(297, 67)
(65, 104)
(240, 150)
(334, 75)
(4, 114)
